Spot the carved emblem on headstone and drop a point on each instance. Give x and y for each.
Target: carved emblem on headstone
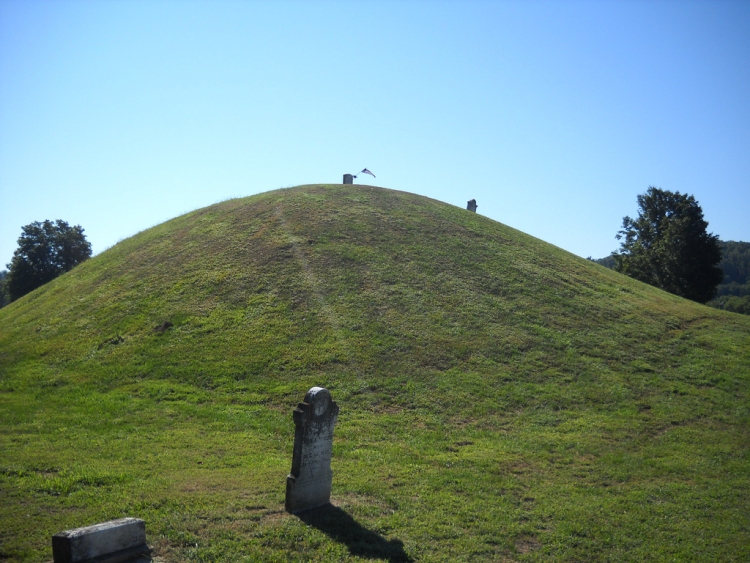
(309, 483)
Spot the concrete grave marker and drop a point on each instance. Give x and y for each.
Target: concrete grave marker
(348, 179)
(471, 205)
(116, 541)
(309, 483)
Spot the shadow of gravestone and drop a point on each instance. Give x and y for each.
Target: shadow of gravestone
(340, 527)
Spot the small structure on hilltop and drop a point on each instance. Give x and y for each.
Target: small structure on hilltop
(471, 205)
(349, 178)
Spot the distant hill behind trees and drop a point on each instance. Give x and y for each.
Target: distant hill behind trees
(733, 294)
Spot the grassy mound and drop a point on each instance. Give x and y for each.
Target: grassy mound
(501, 399)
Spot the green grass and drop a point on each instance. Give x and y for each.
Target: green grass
(501, 399)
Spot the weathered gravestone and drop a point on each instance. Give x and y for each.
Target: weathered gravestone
(348, 179)
(309, 483)
(471, 205)
(116, 541)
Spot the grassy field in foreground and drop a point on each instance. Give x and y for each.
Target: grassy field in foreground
(501, 399)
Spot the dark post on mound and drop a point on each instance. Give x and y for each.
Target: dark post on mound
(309, 483)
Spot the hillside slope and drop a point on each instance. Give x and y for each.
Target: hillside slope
(501, 399)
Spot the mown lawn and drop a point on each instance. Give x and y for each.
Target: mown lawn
(501, 399)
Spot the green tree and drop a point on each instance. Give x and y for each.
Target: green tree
(45, 250)
(668, 246)
(3, 296)
(737, 304)
(735, 263)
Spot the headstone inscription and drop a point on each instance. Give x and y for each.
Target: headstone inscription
(309, 483)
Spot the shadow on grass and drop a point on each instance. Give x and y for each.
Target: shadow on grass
(341, 527)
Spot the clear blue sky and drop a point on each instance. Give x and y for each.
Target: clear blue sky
(118, 115)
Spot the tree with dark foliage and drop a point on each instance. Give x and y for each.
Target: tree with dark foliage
(734, 292)
(3, 296)
(45, 250)
(668, 246)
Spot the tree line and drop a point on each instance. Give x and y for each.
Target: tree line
(45, 250)
(668, 246)
(733, 293)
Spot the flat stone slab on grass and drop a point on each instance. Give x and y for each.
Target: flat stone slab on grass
(116, 541)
